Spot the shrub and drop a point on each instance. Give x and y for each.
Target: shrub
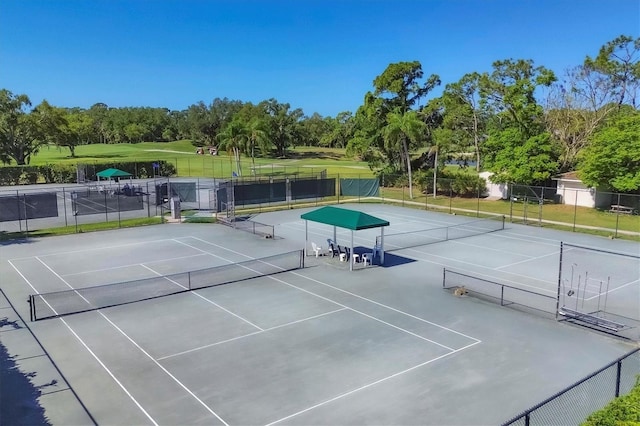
(464, 184)
(622, 411)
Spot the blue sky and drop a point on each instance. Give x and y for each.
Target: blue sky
(321, 56)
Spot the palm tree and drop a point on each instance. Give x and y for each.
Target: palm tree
(234, 138)
(256, 134)
(401, 131)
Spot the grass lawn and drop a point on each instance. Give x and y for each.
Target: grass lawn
(301, 160)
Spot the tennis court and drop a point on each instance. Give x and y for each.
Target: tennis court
(313, 345)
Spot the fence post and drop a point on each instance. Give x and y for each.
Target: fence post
(617, 217)
(559, 280)
(64, 206)
(618, 371)
(26, 219)
(189, 279)
(148, 196)
(106, 212)
(450, 197)
(511, 203)
(118, 203)
(575, 209)
(444, 277)
(426, 199)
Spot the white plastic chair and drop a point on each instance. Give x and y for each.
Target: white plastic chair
(316, 249)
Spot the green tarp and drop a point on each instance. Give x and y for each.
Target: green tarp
(359, 187)
(112, 173)
(344, 218)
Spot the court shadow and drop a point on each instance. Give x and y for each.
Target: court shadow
(20, 405)
(7, 238)
(391, 260)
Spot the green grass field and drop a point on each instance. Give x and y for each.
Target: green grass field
(302, 160)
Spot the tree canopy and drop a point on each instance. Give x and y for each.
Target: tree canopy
(518, 120)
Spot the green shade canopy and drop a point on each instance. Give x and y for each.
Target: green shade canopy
(344, 218)
(112, 173)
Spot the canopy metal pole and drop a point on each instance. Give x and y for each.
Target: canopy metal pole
(334, 235)
(306, 237)
(382, 245)
(351, 260)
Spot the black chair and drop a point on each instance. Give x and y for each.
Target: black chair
(334, 251)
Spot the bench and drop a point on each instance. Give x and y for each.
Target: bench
(615, 208)
(591, 319)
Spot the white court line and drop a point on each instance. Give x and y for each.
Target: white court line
(461, 241)
(130, 265)
(459, 261)
(527, 260)
(347, 292)
(615, 289)
(347, 307)
(386, 306)
(90, 351)
(342, 395)
(484, 275)
(144, 352)
(510, 234)
(204, 298)
(250, 334)
(414, 218)
(97, 248)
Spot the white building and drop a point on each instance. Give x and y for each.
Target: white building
(573, 192)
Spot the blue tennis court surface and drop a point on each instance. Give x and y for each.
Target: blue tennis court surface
(317, 345)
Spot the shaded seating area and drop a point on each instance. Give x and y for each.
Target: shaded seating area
(347, 219)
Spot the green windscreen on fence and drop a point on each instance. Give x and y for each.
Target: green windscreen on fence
(359, 187)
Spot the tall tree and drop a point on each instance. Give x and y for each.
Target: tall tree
(619, 61)
(463, 123)
(400, 85)
(256, 138)
(612, 159)
(233, 139)
(73, 127)
(283, 125)
(23, 132)
(518, 149)
(575, 109)
(398, 89)
(339, 130)
(402, 132)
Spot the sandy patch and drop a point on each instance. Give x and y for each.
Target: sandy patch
(168, 150)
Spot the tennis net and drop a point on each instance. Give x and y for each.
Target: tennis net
(423, 237)
(60, 303)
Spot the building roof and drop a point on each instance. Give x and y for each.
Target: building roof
(344, 218)
(112, 173)
(573, 176)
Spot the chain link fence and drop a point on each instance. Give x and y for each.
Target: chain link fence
(575, 403)
(268, 187)
(576, 209)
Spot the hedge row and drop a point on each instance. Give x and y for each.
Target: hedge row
(68, 173)
(457, 183)
(622, 411)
